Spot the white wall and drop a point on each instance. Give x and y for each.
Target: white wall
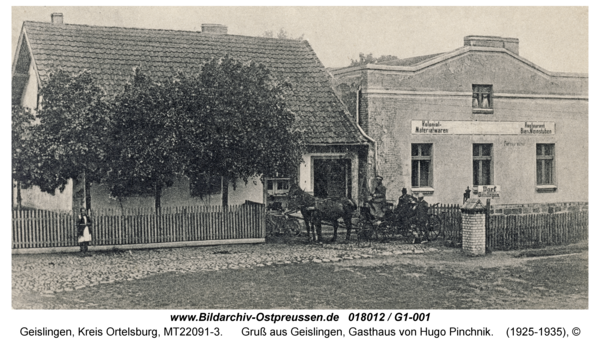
(179, 195)
(35, 198)
(29, 98)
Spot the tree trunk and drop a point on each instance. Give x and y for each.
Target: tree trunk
(157, 193)
(19, 198)
(225, 193)
(88, 194)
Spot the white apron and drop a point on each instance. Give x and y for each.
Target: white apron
(86, 237)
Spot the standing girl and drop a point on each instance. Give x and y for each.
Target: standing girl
(83, 231)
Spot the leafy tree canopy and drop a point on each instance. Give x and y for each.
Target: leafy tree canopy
(67, 137)
(22, 120)
(367, 59)
(226, 118)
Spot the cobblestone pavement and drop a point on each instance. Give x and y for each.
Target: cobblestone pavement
(52, 273)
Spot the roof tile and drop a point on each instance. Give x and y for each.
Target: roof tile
(111, 53)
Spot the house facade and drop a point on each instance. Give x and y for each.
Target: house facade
(335, 145)
(479, 117)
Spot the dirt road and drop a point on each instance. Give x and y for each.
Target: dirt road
(435, 278)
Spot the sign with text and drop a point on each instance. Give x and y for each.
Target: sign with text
(482, 127)
(488, 192)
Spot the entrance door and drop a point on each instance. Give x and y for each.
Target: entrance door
(332, 178)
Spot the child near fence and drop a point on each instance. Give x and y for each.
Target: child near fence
(83, 232)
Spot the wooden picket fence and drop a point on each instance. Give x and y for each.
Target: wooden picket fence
(505, 232)
(43, 229)
(451, 218)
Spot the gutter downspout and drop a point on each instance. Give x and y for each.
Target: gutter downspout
(362, 131)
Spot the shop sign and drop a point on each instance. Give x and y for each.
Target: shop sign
(482, 127)
(488, 192)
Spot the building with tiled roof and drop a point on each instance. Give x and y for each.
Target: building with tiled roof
(480, 116)
(111, 53)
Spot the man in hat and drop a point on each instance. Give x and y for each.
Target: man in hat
(405, 202)
(421, 208)
(378, 198)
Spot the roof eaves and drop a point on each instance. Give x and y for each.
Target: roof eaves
(346, 70)
(464, 50)
(16, 57)
(409, 61)
(356, 132)
(23, 38)
(350, 118)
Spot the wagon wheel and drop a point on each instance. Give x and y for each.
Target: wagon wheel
(385, 230)
(292, 227)
(271, 226)
(407, 229)
(364, 230)
(417, 231)
(433, 228)
(402, 226)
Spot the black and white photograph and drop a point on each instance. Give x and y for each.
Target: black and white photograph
(267, 174)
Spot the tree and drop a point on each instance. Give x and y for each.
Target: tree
(22, 120)
(226, 118)
(250, 130)
(282, 34)
(67, 137)
(147, 151)
(370, 59)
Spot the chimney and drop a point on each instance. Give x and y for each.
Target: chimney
(215, 29)
(510, 44)
(57, 18)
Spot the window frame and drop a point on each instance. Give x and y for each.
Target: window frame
(418, 159)
(551, 186)
(335, 157)
(479, 90)
(275, 184)
(480, 158)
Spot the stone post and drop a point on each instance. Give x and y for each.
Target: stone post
(473, 223)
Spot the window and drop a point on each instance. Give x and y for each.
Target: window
(205, 184)
(332, 177)
(278, 185)
(545, 164)
(482, 99)
(421, 165)
(482, 164)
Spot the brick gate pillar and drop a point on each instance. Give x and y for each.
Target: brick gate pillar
(473, 223)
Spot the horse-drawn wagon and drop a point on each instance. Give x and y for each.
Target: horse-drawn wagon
(411, 222)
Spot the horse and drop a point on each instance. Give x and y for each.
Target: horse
(315, 210)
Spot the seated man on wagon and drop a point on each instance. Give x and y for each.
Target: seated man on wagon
(404, 210)
(421, 209)
(405, 202)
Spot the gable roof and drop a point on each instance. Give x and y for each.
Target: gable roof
(111, 53)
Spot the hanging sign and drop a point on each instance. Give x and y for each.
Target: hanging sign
(488, 192)
(482, 127)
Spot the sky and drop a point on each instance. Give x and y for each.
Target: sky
(554, 38)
